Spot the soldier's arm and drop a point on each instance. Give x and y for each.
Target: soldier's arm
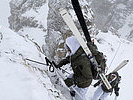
(116, 90)
(64, 62)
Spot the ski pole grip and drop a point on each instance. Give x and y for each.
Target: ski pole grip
(50, 64)
(55, 65)
(51, 68)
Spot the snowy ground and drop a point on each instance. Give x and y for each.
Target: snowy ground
(127, 29)
(19, 81)
(4, 12)
(16, 82)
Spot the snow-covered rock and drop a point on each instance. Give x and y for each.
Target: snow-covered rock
(22, 80)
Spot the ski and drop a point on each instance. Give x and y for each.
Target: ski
(77, 9)
(68, 20)
(121, 65)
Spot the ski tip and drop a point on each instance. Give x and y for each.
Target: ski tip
(60, 9)
(127, 60)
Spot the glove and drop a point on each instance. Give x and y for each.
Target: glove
(95, 85)
(117, 93)
(63, 62)
(72, 93)
(58, 66)
(117, 89)
(69, 82)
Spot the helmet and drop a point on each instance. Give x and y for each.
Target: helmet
(112, 76)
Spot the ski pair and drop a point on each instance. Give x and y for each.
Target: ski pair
(77, 9)
(68, 20)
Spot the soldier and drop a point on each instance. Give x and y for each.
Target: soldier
(102, 92)
(81, 65)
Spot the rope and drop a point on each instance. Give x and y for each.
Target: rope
(114, 56)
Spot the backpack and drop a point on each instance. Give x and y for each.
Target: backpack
(101, 61)
(99, 58)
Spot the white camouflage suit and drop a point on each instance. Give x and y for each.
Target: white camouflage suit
(74, 45)
(100, 94)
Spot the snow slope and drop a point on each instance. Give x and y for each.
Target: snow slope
(19, 81)
(127, 30)
(4, 12)
(16, 77)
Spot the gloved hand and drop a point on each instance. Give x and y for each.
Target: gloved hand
(72, 93)
(58, 66)
(117, 93)
(63, 62)
(69, 82)
(95, 85)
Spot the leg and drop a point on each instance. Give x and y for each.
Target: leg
(104, 96)
(97, 93)
(82, 92)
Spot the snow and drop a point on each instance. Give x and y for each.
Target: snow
(13, 43)
(4, 12)
(34, 34)
(112, 1)
(121, 6)
(40, 15)
(18, 80)
(126, 29)
(18, 84)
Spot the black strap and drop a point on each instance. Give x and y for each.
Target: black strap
(79, 14)
(50, 64)
(35, 61)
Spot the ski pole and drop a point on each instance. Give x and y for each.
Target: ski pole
(49, 63)
(114, 56)
(47, 60)
(53, 63)
(115, 98)
(51, 68)
(35, 61)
